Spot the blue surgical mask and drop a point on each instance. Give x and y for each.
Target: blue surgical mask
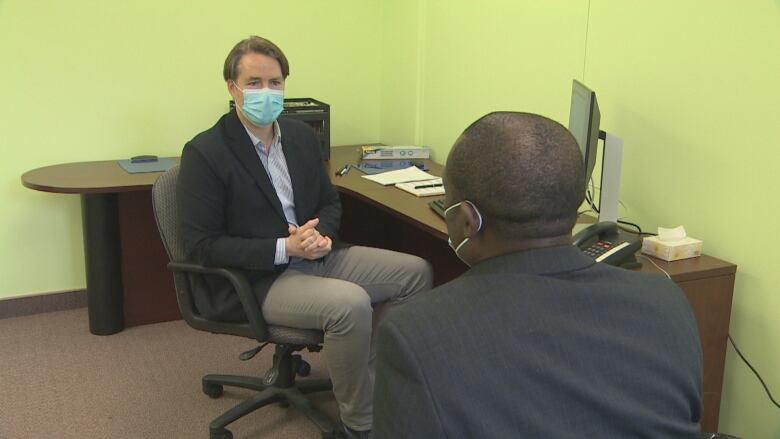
(466, 239)
(262, 106)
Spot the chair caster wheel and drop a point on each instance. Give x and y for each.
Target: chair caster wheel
(300, 366)
(222, 433)
(304, 369)
(213, 391)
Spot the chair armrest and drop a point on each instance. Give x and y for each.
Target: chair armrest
(241, 285)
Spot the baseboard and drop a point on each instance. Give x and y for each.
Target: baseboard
(28, 305)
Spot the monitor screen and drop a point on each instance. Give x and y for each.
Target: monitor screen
(584, 118)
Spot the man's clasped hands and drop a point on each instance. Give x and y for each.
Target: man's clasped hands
(306, 242)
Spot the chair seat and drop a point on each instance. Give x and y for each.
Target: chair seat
(276, 334)
(295, 336)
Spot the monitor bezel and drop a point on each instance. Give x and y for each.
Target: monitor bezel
(589, 150)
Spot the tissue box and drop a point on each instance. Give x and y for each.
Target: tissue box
(671, 250)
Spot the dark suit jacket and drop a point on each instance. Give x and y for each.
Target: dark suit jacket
(541, 344)
(229, 213)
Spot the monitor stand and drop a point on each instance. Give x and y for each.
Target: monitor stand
(609, 196)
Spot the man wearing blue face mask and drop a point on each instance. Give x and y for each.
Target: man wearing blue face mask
(253, 193)
(535, 340)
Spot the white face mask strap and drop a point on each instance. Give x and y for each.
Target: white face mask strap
(479, 215)
(447, 210)
(462, 243)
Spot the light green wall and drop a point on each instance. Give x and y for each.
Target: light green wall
(500, 55)
(401, 86)
(691, 87)
(94, 80)
(448, 62)
(693, 90)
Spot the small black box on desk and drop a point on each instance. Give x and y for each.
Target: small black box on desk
(316, 114)
(313, 112)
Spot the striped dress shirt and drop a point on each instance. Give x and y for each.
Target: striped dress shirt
(275, 165)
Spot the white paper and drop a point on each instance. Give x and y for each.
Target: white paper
(412, 173)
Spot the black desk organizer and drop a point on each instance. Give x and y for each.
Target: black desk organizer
(313, 112)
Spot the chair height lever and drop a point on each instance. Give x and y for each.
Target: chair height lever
(248, 355)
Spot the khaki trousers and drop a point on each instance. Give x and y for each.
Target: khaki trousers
(345, 295)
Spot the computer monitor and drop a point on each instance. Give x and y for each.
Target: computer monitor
(584, 118)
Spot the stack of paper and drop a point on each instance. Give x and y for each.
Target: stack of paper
(412, 173)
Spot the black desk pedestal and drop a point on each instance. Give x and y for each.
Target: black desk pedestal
(100, 220)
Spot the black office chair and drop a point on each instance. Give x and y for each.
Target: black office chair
(278, 384)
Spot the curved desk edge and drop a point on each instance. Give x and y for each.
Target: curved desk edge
(98, 177)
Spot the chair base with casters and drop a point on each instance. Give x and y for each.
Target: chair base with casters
(277, 386)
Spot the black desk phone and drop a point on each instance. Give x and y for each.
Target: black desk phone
(605, 242)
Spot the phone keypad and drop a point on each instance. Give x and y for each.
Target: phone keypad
(598, 249)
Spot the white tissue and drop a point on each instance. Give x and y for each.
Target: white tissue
(675, 234)
(672, 245)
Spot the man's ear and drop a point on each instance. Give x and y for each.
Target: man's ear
(234, 92)
(471, 220)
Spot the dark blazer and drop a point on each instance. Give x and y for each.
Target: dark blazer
(229, 213)
(541, 344)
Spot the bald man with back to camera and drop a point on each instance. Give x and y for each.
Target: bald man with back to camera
(535, 340)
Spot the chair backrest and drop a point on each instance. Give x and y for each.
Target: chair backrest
(165, 214)
(164, 205)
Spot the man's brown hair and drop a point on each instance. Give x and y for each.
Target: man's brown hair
(253, 44)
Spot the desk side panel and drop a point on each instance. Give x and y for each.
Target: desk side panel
(710, 299)
(149, 294)
(363, 223)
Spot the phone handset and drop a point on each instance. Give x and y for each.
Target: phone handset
(597, 229)
(604, 243)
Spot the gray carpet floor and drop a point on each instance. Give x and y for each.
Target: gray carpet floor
(59, 381)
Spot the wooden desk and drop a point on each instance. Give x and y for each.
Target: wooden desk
(127, 282)
(125, 261)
